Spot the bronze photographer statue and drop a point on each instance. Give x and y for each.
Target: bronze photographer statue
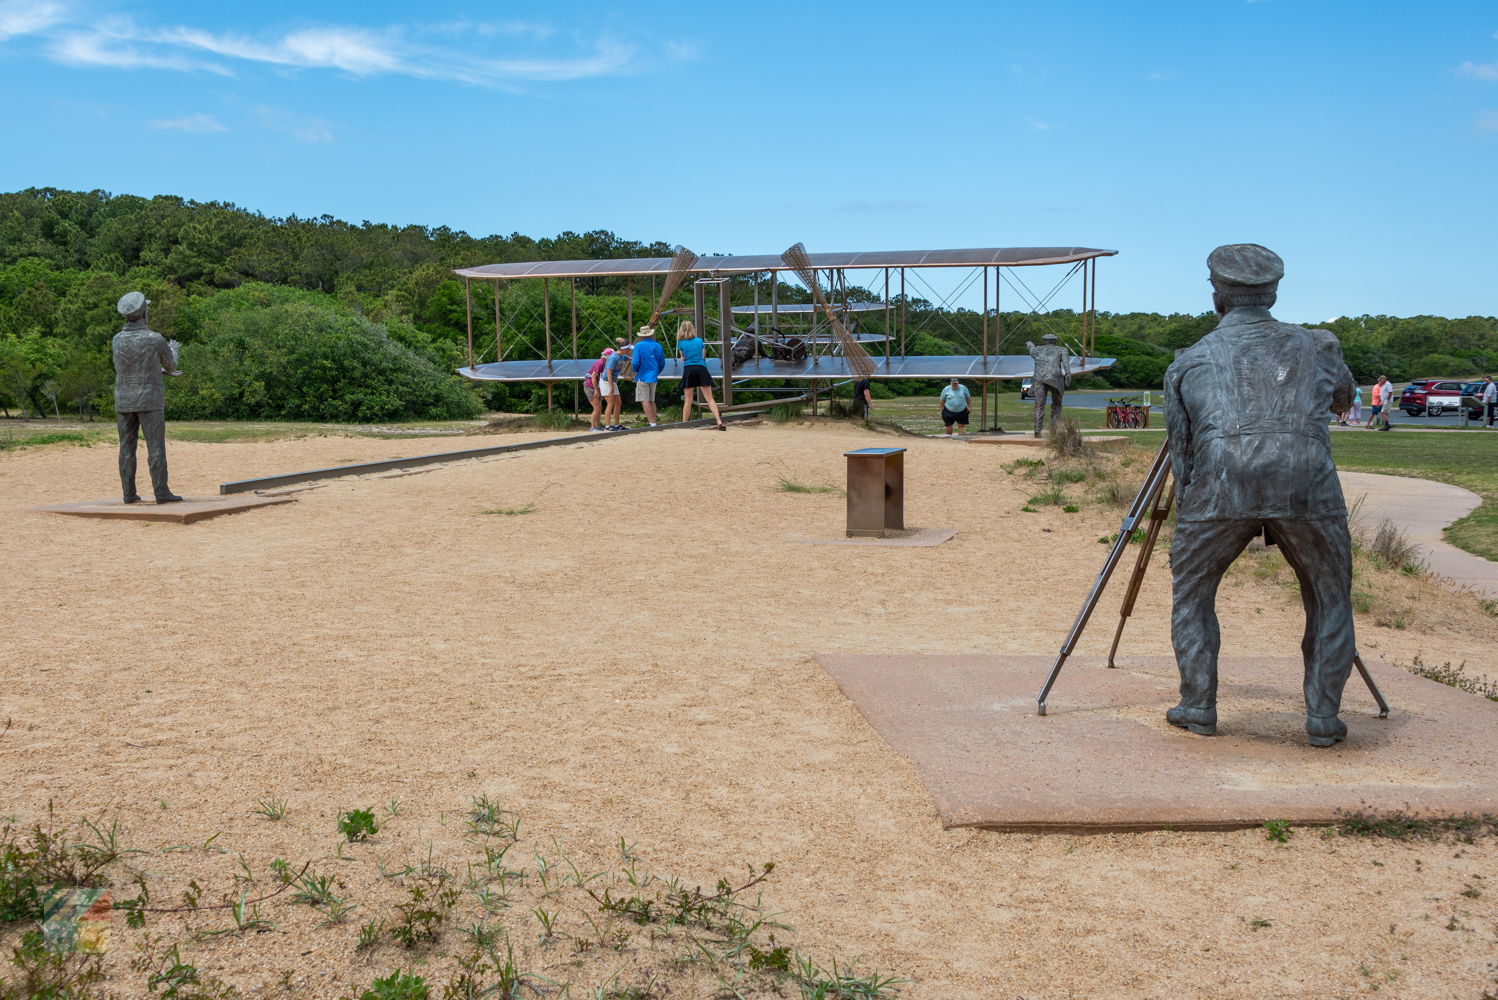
(1246, 411)
(1052, 376)
(140, 356)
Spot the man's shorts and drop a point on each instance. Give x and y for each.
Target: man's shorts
(644, 392)
(605, 388)
(1378, 408)
(949, 418)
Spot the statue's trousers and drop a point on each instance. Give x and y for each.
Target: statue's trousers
(152, 425)
(1320, 553)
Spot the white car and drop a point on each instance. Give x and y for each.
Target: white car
(1027, 389)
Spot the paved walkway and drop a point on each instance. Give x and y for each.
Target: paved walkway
(1422, 508)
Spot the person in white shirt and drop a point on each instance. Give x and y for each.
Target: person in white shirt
(1489, 400)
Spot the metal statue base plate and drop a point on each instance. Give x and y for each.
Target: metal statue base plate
(189, 510)
(1105, 759)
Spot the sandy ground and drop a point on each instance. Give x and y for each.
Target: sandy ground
(633, 659)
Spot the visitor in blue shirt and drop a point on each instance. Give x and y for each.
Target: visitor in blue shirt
(648, 360)
(954, 406)
(694, 372)
(608, 387)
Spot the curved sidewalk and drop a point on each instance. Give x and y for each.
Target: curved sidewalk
(1422, 508)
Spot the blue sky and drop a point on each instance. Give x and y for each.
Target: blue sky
(1360, 141)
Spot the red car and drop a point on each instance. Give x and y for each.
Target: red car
(1440, 395)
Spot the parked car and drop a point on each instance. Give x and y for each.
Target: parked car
(1027, 389)
(1438, 395)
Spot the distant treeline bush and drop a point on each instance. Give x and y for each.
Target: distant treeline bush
(322, 319)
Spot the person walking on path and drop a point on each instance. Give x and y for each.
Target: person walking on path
(863, 396)
(1489, 400)
(1354, 415)
(954, 406)
(1379, 394)
(590, 386)
(140, 356)
(648, 360)
(694, 371)
(1251, 454)
(613, 416)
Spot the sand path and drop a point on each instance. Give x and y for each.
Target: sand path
(633, 659)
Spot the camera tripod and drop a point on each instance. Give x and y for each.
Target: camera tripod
(1153, 504)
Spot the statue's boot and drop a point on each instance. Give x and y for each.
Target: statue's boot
(1325, 731)
(169, 498)
(133, 498)
(1202, 721)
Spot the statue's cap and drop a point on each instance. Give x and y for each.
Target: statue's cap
(1246, 264)
(131, 303)
(1051, 337)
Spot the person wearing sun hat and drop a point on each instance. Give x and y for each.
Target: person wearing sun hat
(1250, 451)
(140, 355)
(648, 361)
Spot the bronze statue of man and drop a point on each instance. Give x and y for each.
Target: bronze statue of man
(1246, 411)
(1052, 376)
(140, 356)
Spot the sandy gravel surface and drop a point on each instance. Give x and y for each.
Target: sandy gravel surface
(633, 659)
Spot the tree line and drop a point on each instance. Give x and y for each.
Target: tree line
(324, 319)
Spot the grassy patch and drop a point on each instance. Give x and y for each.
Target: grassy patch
(1456, 677)
(1468, 459)
(1396, 824)
(792, 486)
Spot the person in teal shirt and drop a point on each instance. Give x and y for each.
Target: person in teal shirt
(694, 372)
(954, 406)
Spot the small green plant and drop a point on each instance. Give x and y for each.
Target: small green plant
(792, 486)
(1027, 509)
(1067, 475)
(1396, 824)
(488, 818)
(397, 986)
(423, 914)
(369, 934)
(394, 809)
(49, 975)
(1259, 922)
(357, 824)
(1456, 677)
(1051, 496)
(784, 413)
(1135, 538)
(548, 919)
(1070, 508)
(313, 889)
(553, 420)
(529, 507)
(1277, 830)
(273, 808)
(281, 869)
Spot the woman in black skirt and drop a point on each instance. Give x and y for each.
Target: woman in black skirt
(694, 371)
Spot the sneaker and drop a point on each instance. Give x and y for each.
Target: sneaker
(652, 425)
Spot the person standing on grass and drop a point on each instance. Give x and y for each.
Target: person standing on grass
(863, 396)
(954, 406)
(613, 416)
(1489, 400)
(590, 386)
(694, 371)
(648, 360)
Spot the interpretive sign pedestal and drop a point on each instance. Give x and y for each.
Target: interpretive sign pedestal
(876, 492)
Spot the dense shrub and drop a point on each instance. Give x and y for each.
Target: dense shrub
(301, 360)
(1441, 365)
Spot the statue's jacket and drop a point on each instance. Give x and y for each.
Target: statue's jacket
(1247, 411)
(140, 354)
(1052, 364)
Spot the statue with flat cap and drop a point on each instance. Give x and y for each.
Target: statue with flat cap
(1052, 376)
(1246, 411)
(140, 356)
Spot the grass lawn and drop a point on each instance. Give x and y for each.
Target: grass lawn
(16, 433)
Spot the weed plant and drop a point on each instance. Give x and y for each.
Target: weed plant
(272, 808)
(1456, 677)
(357, 824)
(784, 413)
(1052, 496)
(1064, 439)
(553, 420)
(1397, 824)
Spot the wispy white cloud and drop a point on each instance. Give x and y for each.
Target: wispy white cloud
(1162, 74)
(27, 17)
(1487, 121)
(190, 123)
(460, 51)
(303, 127)
(883, 206)
(1040, 126)
(1479, 71)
